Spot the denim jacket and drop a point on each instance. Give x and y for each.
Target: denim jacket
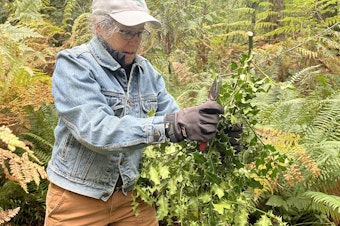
(103, 119)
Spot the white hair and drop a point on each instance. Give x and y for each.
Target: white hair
(106, 24)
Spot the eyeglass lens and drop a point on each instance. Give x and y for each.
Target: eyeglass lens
(128, 35)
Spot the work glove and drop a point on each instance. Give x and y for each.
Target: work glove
(197, 123)
(234, 133)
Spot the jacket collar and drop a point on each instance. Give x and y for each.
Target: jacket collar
(104, 58)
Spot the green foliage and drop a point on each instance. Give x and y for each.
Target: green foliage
(209, 187)
(32, 204)
(314, 114)
(17, 165)
(81, 30)
(327, 204)
(310, 30)
(72, 10)
(266, 180)
(25, 86)
(288, 103)
(19, 72)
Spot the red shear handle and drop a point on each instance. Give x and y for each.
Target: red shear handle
(203, 146)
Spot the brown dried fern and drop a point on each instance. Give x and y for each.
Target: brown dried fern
(19, 168)
(289, 143)
(7, 215)
(298, 164)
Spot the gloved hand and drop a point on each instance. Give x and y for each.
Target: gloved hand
(197, 123)
(234, 132)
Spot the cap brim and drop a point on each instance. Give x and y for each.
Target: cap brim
(133, 18)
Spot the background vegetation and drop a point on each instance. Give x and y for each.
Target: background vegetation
(282, 84)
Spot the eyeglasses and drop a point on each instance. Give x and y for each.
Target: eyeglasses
(129, 35)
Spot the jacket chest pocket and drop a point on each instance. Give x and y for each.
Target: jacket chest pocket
(116, 101)
(148, 106)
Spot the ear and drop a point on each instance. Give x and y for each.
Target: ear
(97, 29)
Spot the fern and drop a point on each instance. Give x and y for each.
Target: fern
(18, 33)
(19, 168)
(264, 25)
(28, 10)
(72, 10)
(298, 165)
(42, 147)
(81, 30)
(301, 75)
(69, 7)
(330, 21)
(7, 215)
(241, 23)
(283, 30)
(245, 10)
(265, 15)
(324, 203)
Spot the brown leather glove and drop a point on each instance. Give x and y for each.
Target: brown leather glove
(197, 123)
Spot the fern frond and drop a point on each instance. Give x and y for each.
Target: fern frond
(236, 33)
(301, 75)
(19, 168)
(283, 30)
(7, 215)
(326, 6)
(326, 124)
(43, 156)
(324, 203)
(11, 140)
(244, 23)
(289, 144)
(265, 15)
(81, 30)
(266, 4)
(28, 10)
(39, 140)
(327, 157)
(264, 25)
(245, 10)
(307, 53)
(19, 32)
(68, 9)
(330, 21)
(283, 142)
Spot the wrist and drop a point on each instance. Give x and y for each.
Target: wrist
(172, 131)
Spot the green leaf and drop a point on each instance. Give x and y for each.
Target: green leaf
(162, 207)
(205, 197)
(154, 175)
(172, 186)
(233, 66)
(163, 171)
(199, 157)
(221, 206)
(219, 191)
(241, 218)
(152, 113)
(264, 221)
(212, 177)
(277, 201)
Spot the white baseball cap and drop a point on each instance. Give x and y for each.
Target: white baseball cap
(125, 12)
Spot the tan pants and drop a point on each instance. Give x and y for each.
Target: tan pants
(70, 209)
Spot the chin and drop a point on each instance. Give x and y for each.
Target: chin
(127, 62)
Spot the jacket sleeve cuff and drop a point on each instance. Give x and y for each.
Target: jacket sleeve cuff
(156, 130)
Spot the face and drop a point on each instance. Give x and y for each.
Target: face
(119, 42)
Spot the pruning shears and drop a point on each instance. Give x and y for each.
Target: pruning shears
(214, 93)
